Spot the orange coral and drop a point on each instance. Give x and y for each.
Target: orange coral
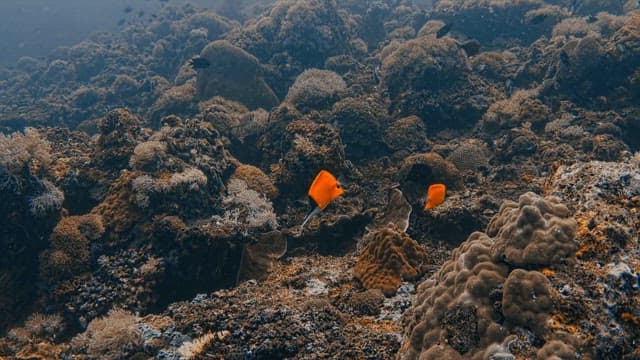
(389, 258)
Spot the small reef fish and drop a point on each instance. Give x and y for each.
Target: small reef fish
(323, 190)
(471, 47)
(435, 195)
(199, 63)
(444, 30)
(538, 19)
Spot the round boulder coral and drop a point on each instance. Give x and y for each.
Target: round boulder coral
(360, 121)
(316, 89)
(233, 74)
(419, 171)
(526, 300)
(535, 231)
(407, 133)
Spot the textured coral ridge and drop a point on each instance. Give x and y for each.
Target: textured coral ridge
(483, 297)
(155, 208)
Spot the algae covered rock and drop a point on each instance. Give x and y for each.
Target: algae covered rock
(234, 74)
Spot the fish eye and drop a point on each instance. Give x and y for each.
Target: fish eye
(337, 186)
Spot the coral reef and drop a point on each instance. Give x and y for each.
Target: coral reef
(360, 122)
(153, 183)
(419, 171)
(111, 337)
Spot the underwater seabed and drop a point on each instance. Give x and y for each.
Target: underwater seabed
(480, 197)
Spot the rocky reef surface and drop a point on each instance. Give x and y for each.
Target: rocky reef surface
(152, 209)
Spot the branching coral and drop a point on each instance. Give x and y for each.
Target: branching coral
(248, 208)
(49, 201)
(19, 150)
(256, 180)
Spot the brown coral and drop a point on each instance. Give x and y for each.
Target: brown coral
(526, 300)
(389, 258)
(533, 232)
(407, 133)
(469, 278)
(522, 107)
(360, 121)
(110, 337)
(316, 89)
(234, 74)
(256, 180)
(421, 170)
(470, 155)
(68, 254)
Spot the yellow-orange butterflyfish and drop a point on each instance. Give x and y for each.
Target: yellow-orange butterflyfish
(435, 195)
(323, 190)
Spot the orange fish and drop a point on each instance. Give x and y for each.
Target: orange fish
(435, 195)
(323, 190)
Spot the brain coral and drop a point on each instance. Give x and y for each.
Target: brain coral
(389, 258)
(470, 155)
(533, 232)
